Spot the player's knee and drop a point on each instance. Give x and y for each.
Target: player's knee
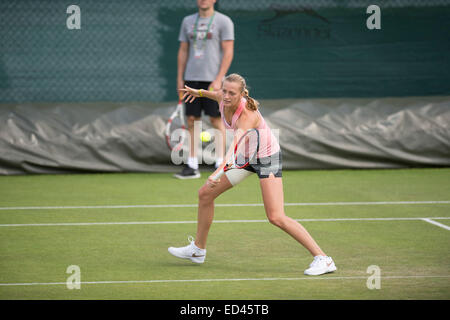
(205, 194)
(276, 219)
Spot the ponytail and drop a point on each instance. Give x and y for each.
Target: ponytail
(252, 104)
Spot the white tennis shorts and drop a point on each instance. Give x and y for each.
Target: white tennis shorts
(263, 168)
(235, 176)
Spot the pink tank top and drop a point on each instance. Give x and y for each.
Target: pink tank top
(268, 144)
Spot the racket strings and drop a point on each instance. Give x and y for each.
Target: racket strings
(247, 148)
(176, 131)
(176, 134)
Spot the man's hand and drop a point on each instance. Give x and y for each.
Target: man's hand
(215, 85)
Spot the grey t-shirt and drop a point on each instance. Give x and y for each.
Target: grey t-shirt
(205, 50)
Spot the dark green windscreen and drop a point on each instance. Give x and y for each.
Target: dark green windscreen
(126, 50)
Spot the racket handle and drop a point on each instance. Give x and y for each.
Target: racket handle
(218, 175)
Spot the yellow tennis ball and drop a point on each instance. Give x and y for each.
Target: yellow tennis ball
(205, 136)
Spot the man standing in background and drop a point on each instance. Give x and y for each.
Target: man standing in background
(204, 57)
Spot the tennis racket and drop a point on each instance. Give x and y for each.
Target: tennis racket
(175, 122)
(244, 152)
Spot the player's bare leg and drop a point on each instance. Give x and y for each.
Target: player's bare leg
(206, 196)
(272, 193)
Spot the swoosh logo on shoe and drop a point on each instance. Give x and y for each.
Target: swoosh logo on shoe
(196, 256)
(329, 264)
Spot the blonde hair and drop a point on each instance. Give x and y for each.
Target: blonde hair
(252, 104)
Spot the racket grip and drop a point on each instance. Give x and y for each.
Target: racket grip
(218, 175)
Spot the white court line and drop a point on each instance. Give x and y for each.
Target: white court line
(195, 221)
(221, 280)
(226, 205)
(436, 223)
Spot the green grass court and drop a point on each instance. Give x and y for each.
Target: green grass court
(117, 228)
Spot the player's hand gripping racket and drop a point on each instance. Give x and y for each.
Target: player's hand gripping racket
(244, 152)
(175, 122)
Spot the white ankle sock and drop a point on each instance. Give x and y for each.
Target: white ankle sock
(193, 163)
(199, 249)
(218, 162)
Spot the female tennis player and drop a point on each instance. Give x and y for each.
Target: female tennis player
(240, 112)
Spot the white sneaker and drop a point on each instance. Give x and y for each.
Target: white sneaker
(190, 251)
(320, 265)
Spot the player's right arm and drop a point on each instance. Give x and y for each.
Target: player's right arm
(214, 182)
(183, 54)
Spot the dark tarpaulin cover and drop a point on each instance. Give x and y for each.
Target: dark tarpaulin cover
(313, 134)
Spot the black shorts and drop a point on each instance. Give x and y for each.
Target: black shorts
(265, 166)
(210, 107)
